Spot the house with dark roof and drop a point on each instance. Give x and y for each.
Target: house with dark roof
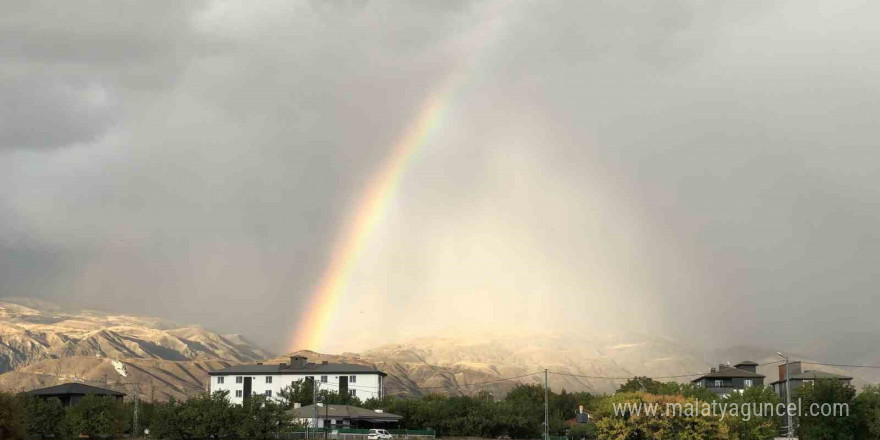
(799, 377)
(242, 381)
(727, 379)
(71, 393)
(344, 416)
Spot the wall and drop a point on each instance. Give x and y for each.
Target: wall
(365, 385)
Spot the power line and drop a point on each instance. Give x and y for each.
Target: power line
(650, 377)
(841, 365)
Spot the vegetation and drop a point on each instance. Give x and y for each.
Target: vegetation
(214, 416)
(833, 427)
(301, 392)
(46, 418)
(13, 419)
(520, 414)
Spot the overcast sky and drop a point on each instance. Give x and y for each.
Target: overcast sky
(704, 170)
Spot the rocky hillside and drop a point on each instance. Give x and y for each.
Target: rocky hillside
(156, 379)
(32, 331)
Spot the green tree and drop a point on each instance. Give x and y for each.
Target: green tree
(761, 421)
(262, 418)
(626, 425)
(866, 409)
(13, 417)
(45, 417)
(299, 391)
(835, 427)
(97, 416)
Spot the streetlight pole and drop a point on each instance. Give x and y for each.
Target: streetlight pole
(787, 396)
(546, 406)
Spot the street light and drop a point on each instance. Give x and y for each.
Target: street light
(787, 396)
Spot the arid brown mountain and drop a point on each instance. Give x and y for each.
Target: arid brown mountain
(32, 331)
(44, 345)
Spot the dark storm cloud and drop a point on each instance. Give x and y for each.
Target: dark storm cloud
(679, 167)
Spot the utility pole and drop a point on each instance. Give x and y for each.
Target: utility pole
(315, 405)
(137, 393)
(787, 396)
(546, 405)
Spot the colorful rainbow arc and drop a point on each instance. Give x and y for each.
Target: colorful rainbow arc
(310, 334)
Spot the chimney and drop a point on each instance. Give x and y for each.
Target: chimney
(795, 369)
(379, 410)
(298, 361)
(324, 362)
(296, 405)
(581, 409)
(721, 367)
(282, 366)
(712, 370)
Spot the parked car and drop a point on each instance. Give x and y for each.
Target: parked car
(378, 434)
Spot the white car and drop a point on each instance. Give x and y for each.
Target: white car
(378, 434)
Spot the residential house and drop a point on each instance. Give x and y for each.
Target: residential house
(241, 381)
(71, 393)
(800, 377)
(726, 379)
(344, 416)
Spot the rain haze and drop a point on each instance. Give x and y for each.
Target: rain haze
(707, 171)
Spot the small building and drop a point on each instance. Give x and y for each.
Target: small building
(359, 381)
(800, 377)
(71, 393)
(726, 379)
(345, 416)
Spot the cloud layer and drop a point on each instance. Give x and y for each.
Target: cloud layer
(703, 171)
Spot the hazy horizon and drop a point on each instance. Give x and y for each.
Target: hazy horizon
(702, 171)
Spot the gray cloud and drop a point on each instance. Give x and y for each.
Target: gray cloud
(697, 170)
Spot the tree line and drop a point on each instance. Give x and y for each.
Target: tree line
(519, 414)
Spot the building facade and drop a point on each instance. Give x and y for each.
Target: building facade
(726, 379)
(800, 377)
(359, 381)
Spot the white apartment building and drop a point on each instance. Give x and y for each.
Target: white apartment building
(359, 381)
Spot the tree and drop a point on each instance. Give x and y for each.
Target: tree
(97, 416)
(867, 411)
(299, 391)
(13, 417)
(834, 427)
(761, 422)
(45, 417)
(614, 423)
(262, 418)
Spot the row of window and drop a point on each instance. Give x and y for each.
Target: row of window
(718, 383)
(240, 379)
(268, 393)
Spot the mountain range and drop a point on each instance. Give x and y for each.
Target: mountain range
(42, 344)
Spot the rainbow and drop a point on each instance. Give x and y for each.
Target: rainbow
(371, 209)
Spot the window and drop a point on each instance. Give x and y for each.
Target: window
(747, 383)
(352, 392)
(268, 379)
(719, 383)
(220, 379)
(237, 393)
(238, 379)
(323, 379)
(268, 393)
(352, 379)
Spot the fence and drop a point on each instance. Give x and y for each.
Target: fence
(358, 434)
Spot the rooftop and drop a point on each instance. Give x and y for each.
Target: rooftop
(309, 368)
(343, 412)
(813, 375)
(726, 372)
(74, 388)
